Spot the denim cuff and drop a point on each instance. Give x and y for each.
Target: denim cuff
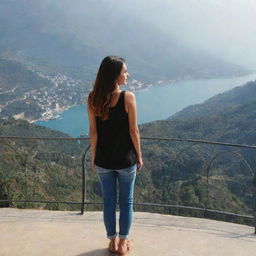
(111, 237)
(123, 236)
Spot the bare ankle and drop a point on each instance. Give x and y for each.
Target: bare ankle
(113, 244)
(124, 245)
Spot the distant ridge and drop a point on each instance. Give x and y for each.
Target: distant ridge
(229, 117)
(226, 117)
(232, 98)
(81, 34)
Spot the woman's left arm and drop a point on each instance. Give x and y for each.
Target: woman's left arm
(93, 134)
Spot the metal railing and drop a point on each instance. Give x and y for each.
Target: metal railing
(208, 163)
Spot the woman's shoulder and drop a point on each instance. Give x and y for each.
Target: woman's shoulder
(129, 99)
(129, 95)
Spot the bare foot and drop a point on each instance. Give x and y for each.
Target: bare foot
(113, 245)
(124, 246)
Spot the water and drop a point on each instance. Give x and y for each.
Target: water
(155, 103)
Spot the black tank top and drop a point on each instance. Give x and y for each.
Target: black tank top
(115, 149)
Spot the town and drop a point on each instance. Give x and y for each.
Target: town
(48, 102)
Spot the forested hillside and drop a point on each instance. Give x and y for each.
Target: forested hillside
(173, 173)
(235, 97)
(41, 169)
(15, 76)
(229, 173)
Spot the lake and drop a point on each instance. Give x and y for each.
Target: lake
(155, 103)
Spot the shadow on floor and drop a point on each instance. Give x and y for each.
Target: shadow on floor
(99, 252)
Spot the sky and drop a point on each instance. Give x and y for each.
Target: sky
(224, 28)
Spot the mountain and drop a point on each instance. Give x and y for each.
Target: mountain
(16, 77)
(16, 83)
(228, 118)
(234, 125)
(41, 169)
(32, 91)
(173, 172)
(46, 169)
(80, 34)
(235, 97)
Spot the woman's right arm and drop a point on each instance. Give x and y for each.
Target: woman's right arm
(93, 134)
(130, 102)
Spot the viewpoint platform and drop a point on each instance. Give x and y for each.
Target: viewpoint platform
(34, 232)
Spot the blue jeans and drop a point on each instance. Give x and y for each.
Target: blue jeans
(126, 179)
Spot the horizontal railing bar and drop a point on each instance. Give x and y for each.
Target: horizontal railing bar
(170, 205)
(193, 208)
(39, 201)
(201, 141)
(137, 204)
(40, 138)
(146, 138)
(230, 213)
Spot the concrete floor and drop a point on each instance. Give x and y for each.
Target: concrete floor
(42, 232)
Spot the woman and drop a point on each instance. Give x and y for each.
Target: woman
(115, 144)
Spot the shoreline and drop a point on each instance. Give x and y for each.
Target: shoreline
(55, 113)
(51, 114)
(134, 86)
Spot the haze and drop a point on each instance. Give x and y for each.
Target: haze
(224, 28)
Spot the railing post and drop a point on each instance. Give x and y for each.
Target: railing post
(84, 180)
(207, 191)
(83, 184)
(254, 201)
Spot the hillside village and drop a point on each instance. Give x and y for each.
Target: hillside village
(48, 102)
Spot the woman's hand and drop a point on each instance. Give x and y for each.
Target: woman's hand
(93, 135)
(139, 163)
(93, 164)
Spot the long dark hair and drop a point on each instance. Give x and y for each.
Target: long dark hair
(100, 97)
